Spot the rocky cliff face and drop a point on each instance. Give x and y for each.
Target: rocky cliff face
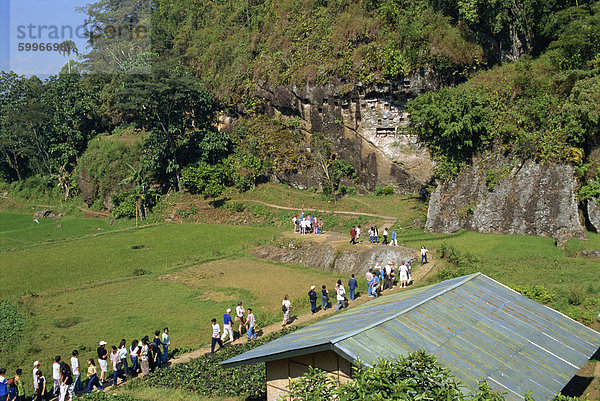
(365, 124)
(326, 257)
(505, 197)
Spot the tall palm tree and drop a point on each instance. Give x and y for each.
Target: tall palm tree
(67, 48)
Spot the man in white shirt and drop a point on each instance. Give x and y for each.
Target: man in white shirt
(216, 336)
(358, 234)
(76, 371)
(36, 366)
(387, 284)
(56, 376)
(340, 295)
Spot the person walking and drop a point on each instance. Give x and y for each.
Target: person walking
(320, 226)
(134, 353)
(324, 297)
(388, 276)
(312, 297)
(66, 382)
(76, 370)
(115, 359)
(369, 277)
(227, 326)
(122, 351)
(352, 284)
(20, 385)
(403, 272)
(375, 235)
(157, 345)
(409, 267)
(56, 376)
(286, 305)
(295, 223)
(36, 366)
(385, 235)
(145, 356)
(394, 241)
(423, 255)
(40, 387)
(251, 325)
(3, 385)
(375, 285)
(216, 336)
(371, 240)
(166, 341)
(92, 374)
(352, 235)
(358, 234)
(102, 361)
(240, 317)
(340, 296)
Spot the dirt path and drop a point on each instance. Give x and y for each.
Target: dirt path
(387, 220)
(419, 274)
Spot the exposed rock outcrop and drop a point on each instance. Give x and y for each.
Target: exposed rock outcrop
(328, 258)
(593, 212)
(365, 124)
(503, 197)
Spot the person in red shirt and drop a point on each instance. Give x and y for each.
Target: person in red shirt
(353, 236)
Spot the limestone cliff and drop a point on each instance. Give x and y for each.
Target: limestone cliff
(507, 197)
(365, 124)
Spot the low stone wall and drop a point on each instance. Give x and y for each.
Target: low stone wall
(357, 261)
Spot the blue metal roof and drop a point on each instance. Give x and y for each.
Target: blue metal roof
(475, 326)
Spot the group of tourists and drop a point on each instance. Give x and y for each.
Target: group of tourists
(307, 224)
(382, 278)
(245, 319)
(373, 236)
(145, 356)
(340, 295)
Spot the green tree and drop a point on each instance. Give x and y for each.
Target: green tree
(331, 169)
(179, 115)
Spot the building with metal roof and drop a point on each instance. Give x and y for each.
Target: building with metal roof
(474, 326)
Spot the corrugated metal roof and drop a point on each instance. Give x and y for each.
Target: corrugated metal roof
(475, 326)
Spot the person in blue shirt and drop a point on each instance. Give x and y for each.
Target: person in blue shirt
(394, 241)
(352, 284)
(227, 326)
(374, 285)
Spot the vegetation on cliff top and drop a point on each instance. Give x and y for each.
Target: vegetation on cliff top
(544, 109)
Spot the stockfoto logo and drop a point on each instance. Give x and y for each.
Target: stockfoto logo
(42, 36)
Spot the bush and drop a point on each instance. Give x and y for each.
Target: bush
(417, 376)
(106, 163)
(11, 322)
(125, 205)
(379, 191)
(538, 293)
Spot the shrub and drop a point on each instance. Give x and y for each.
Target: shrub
(537, 293)
(11, 322)
(417, 376)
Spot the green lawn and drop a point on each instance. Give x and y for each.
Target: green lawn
(521, 260)
(18, 231)
(76, 289)
(70, 264)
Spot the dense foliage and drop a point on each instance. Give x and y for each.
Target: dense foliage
(544, 109)
(11, 322)
(418, 376)
(207, 377)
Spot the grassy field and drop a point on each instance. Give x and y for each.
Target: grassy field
(571, 282)
(74, 288)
